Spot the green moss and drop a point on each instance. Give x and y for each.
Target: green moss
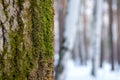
(42, 19)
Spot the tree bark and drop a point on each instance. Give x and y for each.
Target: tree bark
(26, 40)
(118, 45)
(102, 50)
(111, 33)
(96, 38)
(85, 28)
(61, 18)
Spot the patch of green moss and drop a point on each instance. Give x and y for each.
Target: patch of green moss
(42, 28)
(16, 40)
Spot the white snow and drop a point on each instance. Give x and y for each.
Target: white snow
(76, 72)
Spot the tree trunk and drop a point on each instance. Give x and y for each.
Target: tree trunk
(118, 13)
(102, 50)
(26, 40)
(68, 41)
(61, 18)
(82, 34)
(85, 28)
(110, 33)
(96, 39)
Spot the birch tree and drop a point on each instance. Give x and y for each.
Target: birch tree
(85, 29)
(68, 41)
(96, 38)
(81, 31)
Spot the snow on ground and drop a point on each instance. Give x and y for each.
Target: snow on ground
(76, 72)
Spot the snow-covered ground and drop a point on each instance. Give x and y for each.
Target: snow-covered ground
(76, 72)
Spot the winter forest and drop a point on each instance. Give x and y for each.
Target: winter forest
(87, 39)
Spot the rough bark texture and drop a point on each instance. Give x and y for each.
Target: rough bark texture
(26, 40)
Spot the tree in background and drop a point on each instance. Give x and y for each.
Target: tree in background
(118, 13)
(96, 38)
(61, 18)
(26, 40)
(68, 41)
(111, 33)
(85, 29)
(81, 31)
(102, 46)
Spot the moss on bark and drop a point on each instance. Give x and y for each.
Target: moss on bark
(28, 50)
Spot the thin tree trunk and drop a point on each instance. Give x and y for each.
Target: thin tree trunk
(97, 24)
(81, 56)
(26, 40)
(61, 18)
(111, 33)
(118, 13)
(76, 54)
(102, 48)
(81, 35)
(85, 28)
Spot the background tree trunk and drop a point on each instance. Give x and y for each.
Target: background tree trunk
(61, 18)
(110, 33)
(68, 41)
(118, 11)
(96, 42)
(85, 29)
(26, 40)
(102, 47)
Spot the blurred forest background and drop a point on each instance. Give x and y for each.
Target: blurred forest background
(87, 39)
